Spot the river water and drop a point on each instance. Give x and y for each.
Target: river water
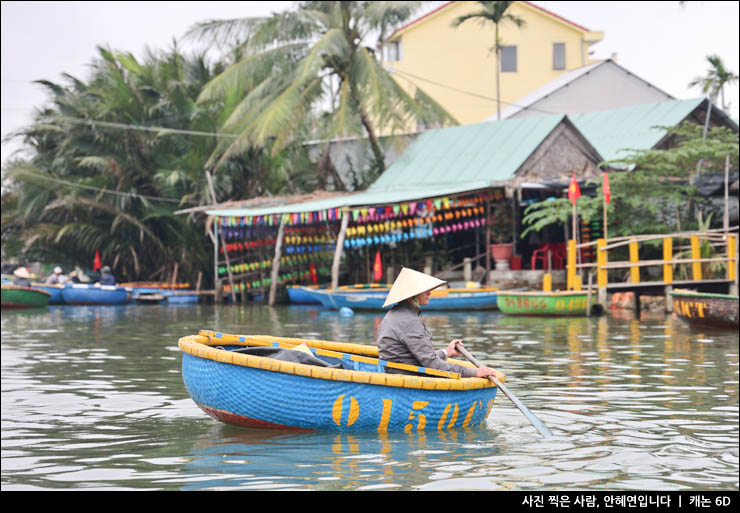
(92, 399)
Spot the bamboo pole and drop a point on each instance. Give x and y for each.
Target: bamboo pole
(338, 250)
(276, 263)
(223, 240)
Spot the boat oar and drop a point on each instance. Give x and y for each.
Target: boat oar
(537, 423)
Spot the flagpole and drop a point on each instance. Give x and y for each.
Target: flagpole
(605, 233)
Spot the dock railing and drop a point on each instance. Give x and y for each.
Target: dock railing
(723, 241)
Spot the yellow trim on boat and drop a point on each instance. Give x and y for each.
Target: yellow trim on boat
(199, 345)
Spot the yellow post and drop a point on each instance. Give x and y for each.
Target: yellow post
(547, 282)
(731, 253)
(667, 256)
(571, 263)
(601, 275)
(634, 258)
(578, 283)
(695, 255)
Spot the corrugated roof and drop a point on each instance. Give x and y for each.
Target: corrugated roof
(489, 151)
(613, 131)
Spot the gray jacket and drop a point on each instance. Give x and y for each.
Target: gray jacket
(403, 338)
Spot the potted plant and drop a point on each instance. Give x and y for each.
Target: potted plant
(502, 233)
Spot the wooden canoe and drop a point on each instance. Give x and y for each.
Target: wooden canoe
(706, 310)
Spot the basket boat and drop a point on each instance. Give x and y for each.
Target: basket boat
(304, 294)
(343, 387)
(54, 290)
(706, 310)
(15, 296)
(81, 294)
(444, 299)
(543, 303)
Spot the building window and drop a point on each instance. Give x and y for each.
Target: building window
(558, 56)
(508, 58)
(392, 51)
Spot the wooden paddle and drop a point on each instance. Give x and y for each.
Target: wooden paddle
(537, 423)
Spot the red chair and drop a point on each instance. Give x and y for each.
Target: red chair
(558, 254)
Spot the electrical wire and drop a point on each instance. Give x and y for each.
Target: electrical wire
(98, 189)
(469, 93)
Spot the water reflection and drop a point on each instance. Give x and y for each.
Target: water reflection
(92, 398)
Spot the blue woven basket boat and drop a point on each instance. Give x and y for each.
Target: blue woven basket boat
(263, 392)
(82, 294)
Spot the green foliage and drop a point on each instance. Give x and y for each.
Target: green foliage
(652, 190)
(311, 59)
(114, 185)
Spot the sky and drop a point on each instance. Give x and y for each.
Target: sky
(664, 43)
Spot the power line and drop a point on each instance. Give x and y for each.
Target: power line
(98, 189)
(124, 126)
(469, 93)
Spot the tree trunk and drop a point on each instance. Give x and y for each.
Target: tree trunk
(498, 79)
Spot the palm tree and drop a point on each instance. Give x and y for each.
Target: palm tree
(321, 81)
(714, 82)
(493, 12)
(102, 185)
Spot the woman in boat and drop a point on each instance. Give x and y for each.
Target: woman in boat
(22, 277)
(403, 337)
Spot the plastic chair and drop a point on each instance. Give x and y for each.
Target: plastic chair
(557, 255)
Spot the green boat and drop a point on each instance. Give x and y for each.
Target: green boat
(14, 296)
(543, 303)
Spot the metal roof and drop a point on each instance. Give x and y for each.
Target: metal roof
(613, 131)
(489, 151)
(567, 78)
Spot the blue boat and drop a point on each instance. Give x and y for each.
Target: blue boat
(302, 294)
(297, 294)
(445, 299)
(181, 297)
(264, 382)
(55, 292)
(83, 294)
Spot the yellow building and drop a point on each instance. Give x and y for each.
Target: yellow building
(456, 66)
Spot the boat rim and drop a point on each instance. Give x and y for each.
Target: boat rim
(202, 346)
(10, 286)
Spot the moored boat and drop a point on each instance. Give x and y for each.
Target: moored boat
(303, 294)
(441, 299)
(269, 382)
(706, 310)
(543, 303)
(15, 296)
(54, 290)
(83, 294)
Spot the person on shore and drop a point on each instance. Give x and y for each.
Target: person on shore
(106, 276)
(404, 338)
(57, 277)
(22, 277)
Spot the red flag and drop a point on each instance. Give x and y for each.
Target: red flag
(607, 190)
(574, 192)
(96, 263)
(312, 271)
(377, 268)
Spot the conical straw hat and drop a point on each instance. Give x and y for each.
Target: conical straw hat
(410, 283)
(22, 272)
